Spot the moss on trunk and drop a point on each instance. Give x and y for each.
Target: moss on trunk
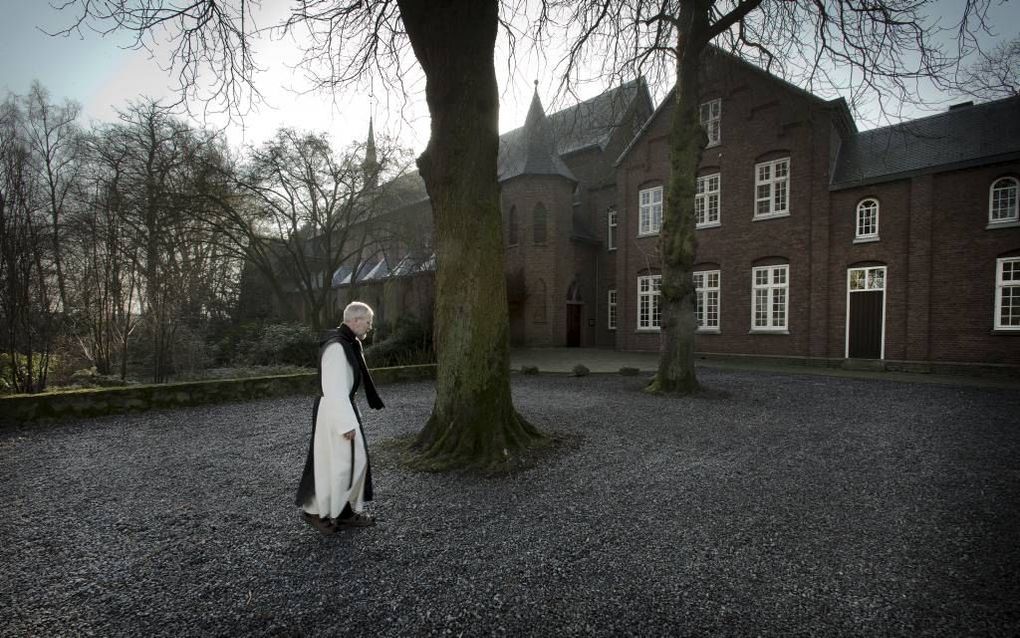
(677, 240)
(473, 422)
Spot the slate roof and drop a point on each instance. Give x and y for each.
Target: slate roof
(532, 152)
(960, 137)
(589, 124)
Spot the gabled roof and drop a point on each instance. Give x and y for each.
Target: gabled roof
(713, 53)
(963, 136)
(589, 124)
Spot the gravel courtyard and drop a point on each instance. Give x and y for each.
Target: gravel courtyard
(774, 504)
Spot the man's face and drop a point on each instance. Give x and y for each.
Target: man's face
(361, 326)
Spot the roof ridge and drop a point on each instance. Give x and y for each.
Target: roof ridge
(934, 116)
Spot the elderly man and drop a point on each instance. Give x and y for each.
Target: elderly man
(337, 480)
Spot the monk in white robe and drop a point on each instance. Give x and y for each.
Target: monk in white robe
(337, 480)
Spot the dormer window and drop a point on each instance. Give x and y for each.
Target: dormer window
(711, 114)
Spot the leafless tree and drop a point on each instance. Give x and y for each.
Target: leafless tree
(52, 133)
(860, 49)
(473, 421)
(297, 211)
(995, 75)
(28, 313)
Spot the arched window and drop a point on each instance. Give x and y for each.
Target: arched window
(511, 233)
(538, 223)
(867, 219)
(1002, 201)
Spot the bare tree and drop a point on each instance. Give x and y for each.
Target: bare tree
(53, 137)
(995, 75)
(298, 211)
(28, 316)
(473, 420)
(863, 49)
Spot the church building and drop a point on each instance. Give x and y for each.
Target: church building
(817, 242)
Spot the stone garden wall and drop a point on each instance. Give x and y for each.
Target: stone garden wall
(48, 406)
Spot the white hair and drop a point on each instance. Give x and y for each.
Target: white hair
(357, 310)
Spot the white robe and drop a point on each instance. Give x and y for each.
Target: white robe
(335, 482)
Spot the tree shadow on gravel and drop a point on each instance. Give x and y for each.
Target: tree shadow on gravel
(397, 452)
(703, 393)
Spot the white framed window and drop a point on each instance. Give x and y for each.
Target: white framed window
(611, 307)
(611, 229)
(1002, 201)
(706, 201)
(649, 314)
(1007, 293)
(711, 115)
(650, 211)
(706, 307)
(867, 219)
(769, 297)
(772, 189)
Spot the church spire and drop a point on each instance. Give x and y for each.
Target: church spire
(540, 157)
(371, 165)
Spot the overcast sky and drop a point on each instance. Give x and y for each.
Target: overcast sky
(103, 76)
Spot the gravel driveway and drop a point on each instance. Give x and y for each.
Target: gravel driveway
(772, 505)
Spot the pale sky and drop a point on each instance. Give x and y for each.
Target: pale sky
(103, 76)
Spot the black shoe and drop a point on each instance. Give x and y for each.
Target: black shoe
(323, 525)
(356, 520)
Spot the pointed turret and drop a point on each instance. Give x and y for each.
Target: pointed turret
(536, 152)
(371, 165)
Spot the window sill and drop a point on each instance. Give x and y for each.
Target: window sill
(765, 218)
(710, 225)
(713, 144)
(648, 330)
(865, 240)
(765, 331)
(1012, 223)
(653, 234)
(611, 250)
(1006, 331)
(708, 331)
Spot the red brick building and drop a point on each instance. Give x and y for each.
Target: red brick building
(821, 242)
(816, 241)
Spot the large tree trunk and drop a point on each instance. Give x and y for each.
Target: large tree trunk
(473, 422)
(677, 241)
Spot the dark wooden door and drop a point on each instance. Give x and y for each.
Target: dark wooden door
(866, 324)
(574, 325)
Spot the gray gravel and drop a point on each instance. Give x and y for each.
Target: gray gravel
(774, 505)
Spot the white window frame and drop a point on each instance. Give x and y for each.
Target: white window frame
(777, 189)
(611, 309)
(1011, 186)
(864, 206)
(710, 115)
(868, 282)
(771, 289)
(705, 292)
(649, 211)
(611, 225)
(1013, 284)
(705, 198)
(649, 296)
